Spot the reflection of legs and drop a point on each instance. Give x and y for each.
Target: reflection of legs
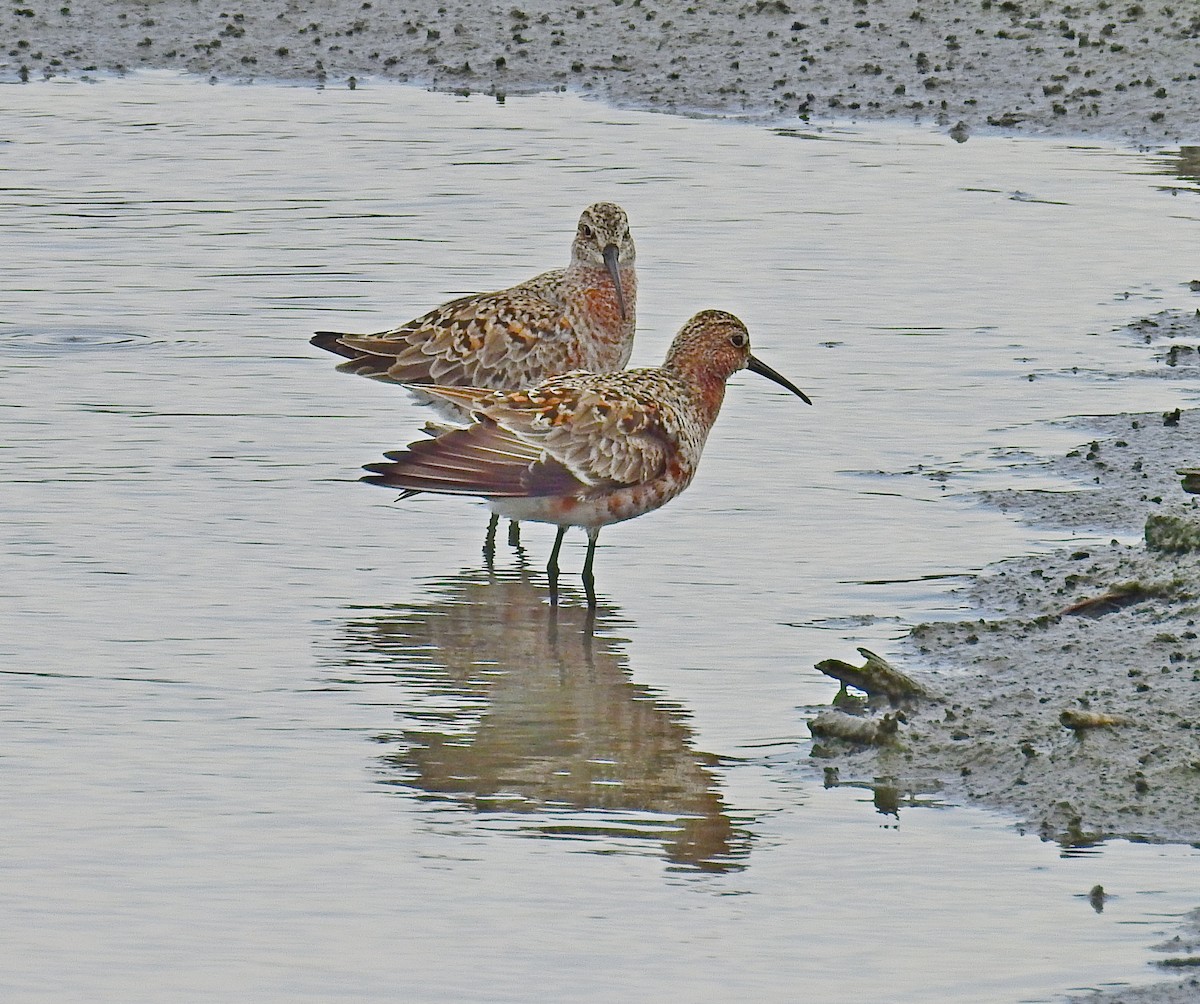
(552, 565)
(514, 533)
(589, 581)
(489, 541)
(589, 632)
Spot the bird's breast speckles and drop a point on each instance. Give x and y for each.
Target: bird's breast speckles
(592, 296)
(602, 306)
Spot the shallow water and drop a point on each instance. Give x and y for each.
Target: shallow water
(267, 734)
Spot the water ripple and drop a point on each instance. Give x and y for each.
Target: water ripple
(61, 340)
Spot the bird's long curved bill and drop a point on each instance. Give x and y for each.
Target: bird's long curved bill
(611, 253)
(762, 369)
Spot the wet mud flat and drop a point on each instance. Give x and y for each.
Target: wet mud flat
(1124, 70)
(1110, 629)
(1072, 698)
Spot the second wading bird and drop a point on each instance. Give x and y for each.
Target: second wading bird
(585, 449)
(581, 317)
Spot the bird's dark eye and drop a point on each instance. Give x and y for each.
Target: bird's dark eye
(586, 231)
(738, 340)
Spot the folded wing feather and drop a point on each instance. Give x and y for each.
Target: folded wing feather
(459, 342)
(601, 432)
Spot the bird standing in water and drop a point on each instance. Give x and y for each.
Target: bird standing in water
(580, 317)
(585, 449)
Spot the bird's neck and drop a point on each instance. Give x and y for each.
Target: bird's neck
(594, 290)
(706, 388)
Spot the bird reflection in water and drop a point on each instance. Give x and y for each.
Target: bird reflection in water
(520, 708)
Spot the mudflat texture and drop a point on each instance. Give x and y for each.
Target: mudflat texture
(1110, 630)
(1071, 698)
(1125, 70)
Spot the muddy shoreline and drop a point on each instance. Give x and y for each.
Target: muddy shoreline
(1109, 624)
(1124, 71)
(1106, 630)
(1109, 628)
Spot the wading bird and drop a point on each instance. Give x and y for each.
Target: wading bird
(585, 449)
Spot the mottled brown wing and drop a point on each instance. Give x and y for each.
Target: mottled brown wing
(616, 428)
(500, 340)
(483, 460)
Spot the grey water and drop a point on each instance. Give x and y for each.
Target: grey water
(268, 734)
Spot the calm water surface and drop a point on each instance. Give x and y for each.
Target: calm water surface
(268, 735)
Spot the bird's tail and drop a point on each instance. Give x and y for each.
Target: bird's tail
(483, 460)
(331, 341)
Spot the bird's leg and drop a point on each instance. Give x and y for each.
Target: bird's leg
(589, 581)
(514, 533)
(489, 541)
(552, 566)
